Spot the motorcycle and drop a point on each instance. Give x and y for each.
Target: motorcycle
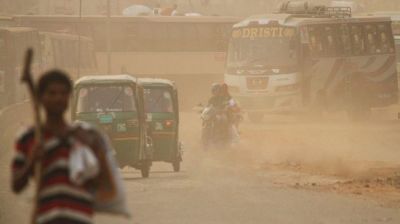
(216, 127)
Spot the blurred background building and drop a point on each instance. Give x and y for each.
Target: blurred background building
(207, 7)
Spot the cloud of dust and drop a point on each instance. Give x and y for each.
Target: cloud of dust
(337, 147)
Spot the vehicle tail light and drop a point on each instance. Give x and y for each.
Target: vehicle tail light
(169, 123)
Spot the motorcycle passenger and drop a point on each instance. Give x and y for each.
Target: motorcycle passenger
(233, 110)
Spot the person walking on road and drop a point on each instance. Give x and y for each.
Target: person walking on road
(66, 187)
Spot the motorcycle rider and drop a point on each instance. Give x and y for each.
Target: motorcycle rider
(216, 99)
(222, 100)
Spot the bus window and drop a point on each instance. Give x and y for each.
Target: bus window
(357, 40)
(330, 42)
(384, 38)
(378, 38)
(371, 38)
(315, 45)
(344, 40)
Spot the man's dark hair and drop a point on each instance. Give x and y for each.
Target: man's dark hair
(53, 76)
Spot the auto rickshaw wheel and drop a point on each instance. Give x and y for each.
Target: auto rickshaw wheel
(145, 169)
(177, 166)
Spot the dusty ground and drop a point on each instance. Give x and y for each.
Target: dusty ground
(288, 169)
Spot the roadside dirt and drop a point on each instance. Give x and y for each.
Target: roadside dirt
(331, 154)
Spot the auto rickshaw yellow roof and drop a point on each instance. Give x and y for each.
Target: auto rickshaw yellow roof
(104, 79)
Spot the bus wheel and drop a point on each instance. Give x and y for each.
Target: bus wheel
(177, 166)
(256, 117)
(145, 169)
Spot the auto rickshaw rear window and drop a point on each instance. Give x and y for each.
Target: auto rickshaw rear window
(158, 101)
(106, 98)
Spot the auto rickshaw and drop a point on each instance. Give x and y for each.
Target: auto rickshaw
(162, 108)
(115, 105)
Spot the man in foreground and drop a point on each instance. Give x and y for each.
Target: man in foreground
(60, 198)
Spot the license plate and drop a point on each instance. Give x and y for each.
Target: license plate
(257, 83)
(106, 119)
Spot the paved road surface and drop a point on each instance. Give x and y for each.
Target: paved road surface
(243, 184)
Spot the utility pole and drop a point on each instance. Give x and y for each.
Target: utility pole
(79, 38)
(108, 38)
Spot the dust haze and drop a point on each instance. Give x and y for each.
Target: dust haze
(309, 156)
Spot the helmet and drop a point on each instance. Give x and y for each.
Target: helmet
(215, 88)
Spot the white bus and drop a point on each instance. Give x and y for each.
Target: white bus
(320, 58)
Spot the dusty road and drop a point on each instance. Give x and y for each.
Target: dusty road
(286, 170)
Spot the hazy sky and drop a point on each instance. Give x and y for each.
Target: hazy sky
(221, 7)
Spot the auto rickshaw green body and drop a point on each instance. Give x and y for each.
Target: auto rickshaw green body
(163, 122)
(126, 128)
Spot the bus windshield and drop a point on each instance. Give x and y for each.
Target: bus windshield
(266, 52)
(106, 98)
(270, 48)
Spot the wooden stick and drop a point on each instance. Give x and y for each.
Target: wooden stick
(27, 78)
